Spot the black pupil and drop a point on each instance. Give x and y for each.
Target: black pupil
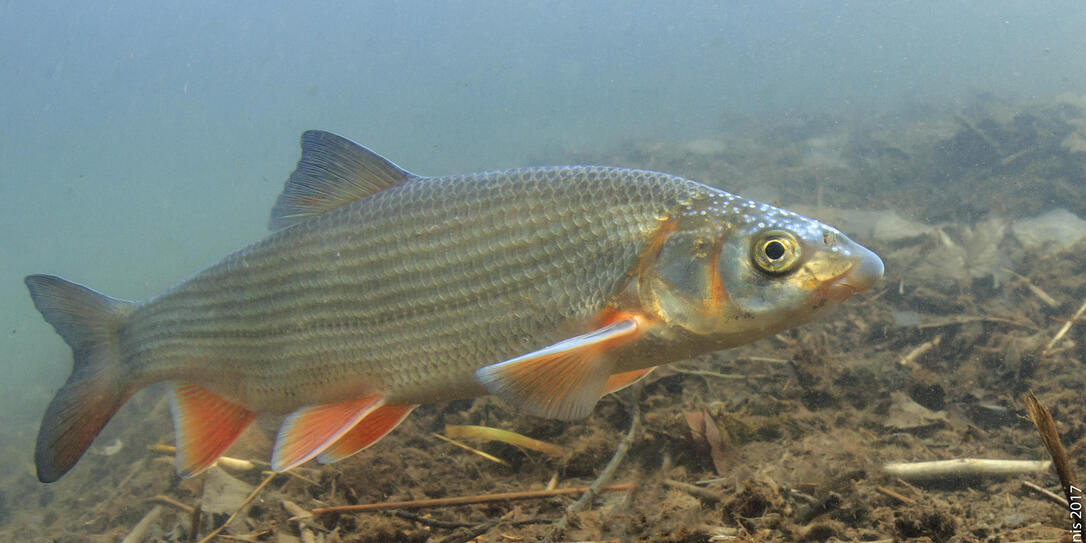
(774, 250)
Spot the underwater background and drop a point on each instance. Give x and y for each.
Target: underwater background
(141, 142)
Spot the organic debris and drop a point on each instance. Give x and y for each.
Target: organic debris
(961, 468)
(486, 433)
(707, 435)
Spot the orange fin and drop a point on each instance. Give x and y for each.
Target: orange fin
(308, 431)
(205, 425)
(561, 381)
(619, 381)
(368, 431)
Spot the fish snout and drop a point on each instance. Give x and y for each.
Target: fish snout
(866, 270)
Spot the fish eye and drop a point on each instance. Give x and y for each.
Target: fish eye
(774, 249)
(775, 252)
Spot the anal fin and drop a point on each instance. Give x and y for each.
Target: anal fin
(564, 380)
(309, 431)
(376, 425)
(205, 425)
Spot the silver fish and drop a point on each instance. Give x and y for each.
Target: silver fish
(380, 290)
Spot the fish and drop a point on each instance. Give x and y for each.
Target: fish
(379, 290)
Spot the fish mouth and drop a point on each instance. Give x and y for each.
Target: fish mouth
(864, 273)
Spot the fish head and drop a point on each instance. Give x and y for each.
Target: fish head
(730, 271)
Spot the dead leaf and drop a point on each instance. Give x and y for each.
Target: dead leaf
(223, 493)
(909, 416)
(706, 432)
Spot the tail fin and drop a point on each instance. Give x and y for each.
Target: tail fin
(95, 390)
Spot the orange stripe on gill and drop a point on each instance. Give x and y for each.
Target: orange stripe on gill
(651, 251)
(718, 295)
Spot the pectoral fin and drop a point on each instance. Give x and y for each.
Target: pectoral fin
(309, 431)
(561, 381)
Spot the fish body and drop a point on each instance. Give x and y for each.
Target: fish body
(381, 290)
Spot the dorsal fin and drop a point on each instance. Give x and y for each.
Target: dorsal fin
(333, 170)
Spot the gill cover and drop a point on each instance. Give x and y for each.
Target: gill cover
(683, 286)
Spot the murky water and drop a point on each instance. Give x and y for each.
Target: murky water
(141, 143)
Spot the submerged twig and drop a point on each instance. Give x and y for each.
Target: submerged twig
(166, 500)
(464, 500)
(468, 448)
(301, 516)
(470, 533)
(1063, 330)
(236, 464)
(895, 495)
(702, 482)
(248, 499)
(909, 360)
(504, 436)
(1048, 494)
(718, 375)
(696, 491)
(1042, 419)
(1036, 290)
(764, 359)
(916, 491)
(446, 524)
(873, 297)
(964, 467)
(1015, 156)
(139, 531)
(433, 523)
(954, 321)
(293, 472)
(608, 471)
(196, 518)
(242, 538)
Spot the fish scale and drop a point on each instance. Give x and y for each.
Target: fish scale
(380, 290)
(386, 305)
